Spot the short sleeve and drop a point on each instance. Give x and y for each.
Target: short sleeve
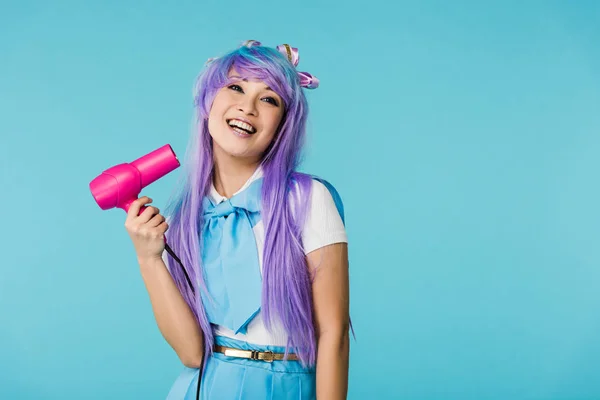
(164, 258)
(323, 225)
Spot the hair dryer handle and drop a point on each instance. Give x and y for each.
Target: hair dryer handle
(127, 205)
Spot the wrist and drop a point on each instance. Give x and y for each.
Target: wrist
(149, 261)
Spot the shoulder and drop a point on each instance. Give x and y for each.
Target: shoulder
(315, 187)
(324, 222)
(325, 194)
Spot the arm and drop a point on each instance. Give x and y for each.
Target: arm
(329, 265)
(173, 316)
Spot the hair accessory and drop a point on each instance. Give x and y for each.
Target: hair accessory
(290, 52)
(307, 80)
(250, 43)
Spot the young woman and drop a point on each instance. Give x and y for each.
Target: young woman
(266, 315)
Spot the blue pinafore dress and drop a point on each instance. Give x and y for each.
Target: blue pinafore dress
(233, 279)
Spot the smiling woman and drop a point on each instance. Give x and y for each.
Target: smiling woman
(250, 110)
(266, 315)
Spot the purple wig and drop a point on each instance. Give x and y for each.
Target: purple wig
(286, 286)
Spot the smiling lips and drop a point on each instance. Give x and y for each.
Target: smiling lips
(241, 126)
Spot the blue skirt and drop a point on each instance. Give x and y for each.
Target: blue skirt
(232, 378)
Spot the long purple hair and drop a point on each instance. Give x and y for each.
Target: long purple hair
(286, 286)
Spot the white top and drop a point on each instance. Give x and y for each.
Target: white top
(323, 226)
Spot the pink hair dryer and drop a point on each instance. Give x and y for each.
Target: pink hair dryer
(119, 186)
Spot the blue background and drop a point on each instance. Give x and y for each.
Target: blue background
(464, 139)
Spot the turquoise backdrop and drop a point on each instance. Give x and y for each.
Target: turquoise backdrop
(464, 138)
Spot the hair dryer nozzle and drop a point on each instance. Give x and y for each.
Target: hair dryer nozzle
(157, 164)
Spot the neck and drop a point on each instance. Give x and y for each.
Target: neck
(230, 173)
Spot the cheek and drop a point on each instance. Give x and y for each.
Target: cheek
(216, 113)
(220, 102)
(214, 126)
(274, 118)
(216, 107)
(272, 132)
(277, 123)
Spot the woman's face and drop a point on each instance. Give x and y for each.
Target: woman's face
(244, 118)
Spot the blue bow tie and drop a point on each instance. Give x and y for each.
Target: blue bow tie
(230, 259)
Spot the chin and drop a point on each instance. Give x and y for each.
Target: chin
(233, 149)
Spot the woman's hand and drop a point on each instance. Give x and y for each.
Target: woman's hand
(147, 230)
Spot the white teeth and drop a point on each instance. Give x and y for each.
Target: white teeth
(240, 131)
(243, 125)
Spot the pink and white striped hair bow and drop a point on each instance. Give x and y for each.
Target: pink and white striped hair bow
(307, 80)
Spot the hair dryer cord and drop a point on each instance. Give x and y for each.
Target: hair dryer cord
(172, 253)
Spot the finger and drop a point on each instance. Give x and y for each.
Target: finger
(134, 208)
(163, 227)
(147, 214)
(156, 220)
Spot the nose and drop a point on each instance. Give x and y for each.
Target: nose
(247, 106)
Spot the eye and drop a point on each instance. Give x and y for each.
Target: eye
(272, 101)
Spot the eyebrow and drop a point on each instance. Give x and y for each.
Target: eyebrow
(246, 80)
